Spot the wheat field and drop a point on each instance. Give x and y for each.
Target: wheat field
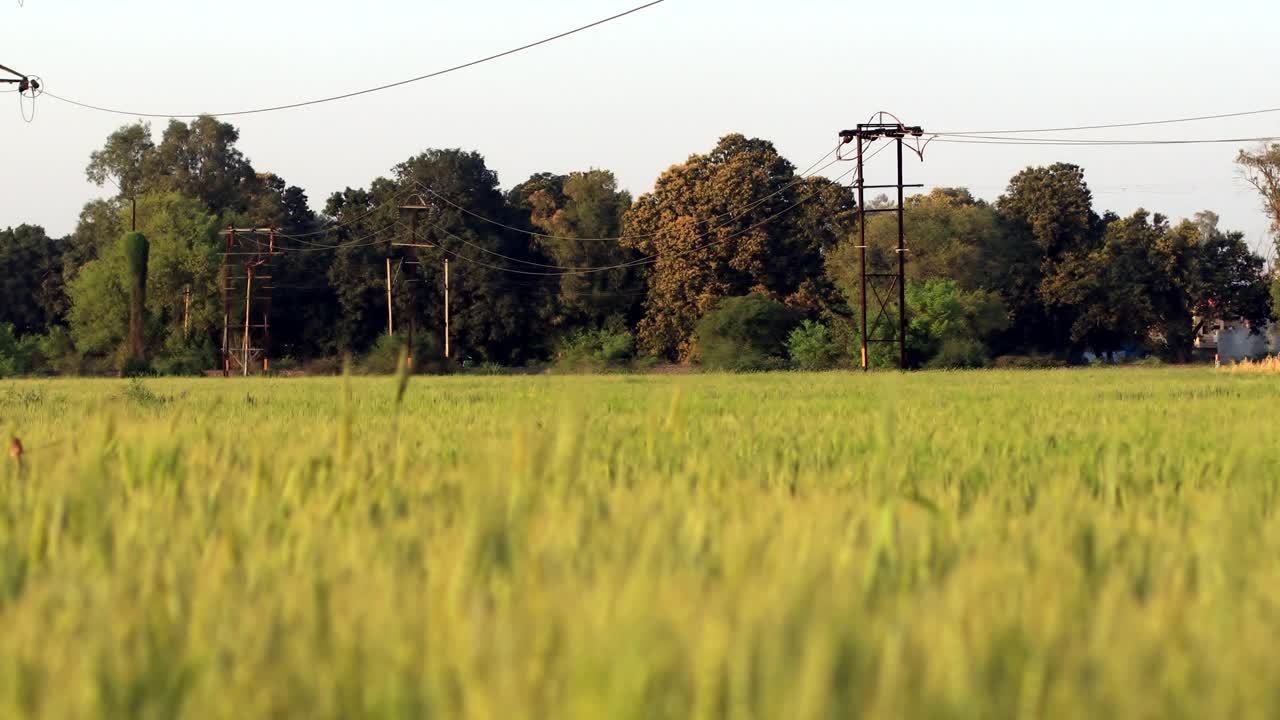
(1056, 544)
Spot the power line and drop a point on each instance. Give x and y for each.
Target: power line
(1109, 126)
(804, 175)
(647, 260)
(1068, 142)
(388, 86)
(333, 225)
(567, 270)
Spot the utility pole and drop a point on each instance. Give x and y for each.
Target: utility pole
(446, 308)
(246, 252)
(415, 206)
(248, 301)
(186, 311)
(882, 284)
(391, 328)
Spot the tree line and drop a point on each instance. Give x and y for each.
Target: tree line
(733, 259)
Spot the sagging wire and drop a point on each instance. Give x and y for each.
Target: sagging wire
(647, 260)
(379, 88)
(730, 216)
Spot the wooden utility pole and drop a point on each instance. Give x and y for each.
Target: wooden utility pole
(391, 329)
(446, 308)
(186, 311)
(248, 300)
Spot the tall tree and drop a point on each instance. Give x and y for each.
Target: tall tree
(497, 275)
(31, 287)
(128, 160)
(719, 225)
(579, 212)
(182, 253)
(136, 253)
(1047, 213)
(200, 160)
(1262, 170)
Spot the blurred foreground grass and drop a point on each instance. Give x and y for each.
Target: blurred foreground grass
(976, 545)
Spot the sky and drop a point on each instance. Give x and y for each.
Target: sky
(646, 92)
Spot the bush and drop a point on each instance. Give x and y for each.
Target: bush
(812, 348)
(11, 361)
(58, 352)
(596, 350)
(135, 368)
(187, 356)
(384, 358)
(324, 366)
(1029, 362)
(744, 334)
(959, 354)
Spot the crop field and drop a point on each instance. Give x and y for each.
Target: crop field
(1083, 544)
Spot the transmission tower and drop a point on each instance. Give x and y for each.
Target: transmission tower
(246, 278)
(881, 286)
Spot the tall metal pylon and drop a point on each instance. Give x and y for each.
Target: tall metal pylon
(882, 284)
(247, 259)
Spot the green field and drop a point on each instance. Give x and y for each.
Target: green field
(1086, 544)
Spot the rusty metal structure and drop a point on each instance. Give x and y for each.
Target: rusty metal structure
(882, 287)
(246, 299)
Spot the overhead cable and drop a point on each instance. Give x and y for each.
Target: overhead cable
(366, 91)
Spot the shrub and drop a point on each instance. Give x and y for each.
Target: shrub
(58, 352)
(744, 334)
(596, 350)
(186, 356)
(812, 348)
(11, 360)
(384, 358)
(324, 366)
(959, 354)
(1029, 362)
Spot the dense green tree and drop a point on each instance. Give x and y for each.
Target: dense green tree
(128, 161)
(100, 226)
(498, 275)
(31, 286)
(718, 226)
(137, 252)
(745, 333)
(949, 326)
(183, 253)
(580, 214)
(1047, 213)
(200, 160)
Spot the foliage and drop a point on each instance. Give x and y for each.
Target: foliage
(32, 296)
(189, 356)
(1039, 271)
(182, 253)
(1262, 170)
(811, 347)
(596, 349)
(1029, 362)
(12, 360)
(384, 357)
(948, 327)
(745, 333)
(136, 253)
(710, 226)
(579, 212)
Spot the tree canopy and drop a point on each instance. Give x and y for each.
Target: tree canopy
(561, 256)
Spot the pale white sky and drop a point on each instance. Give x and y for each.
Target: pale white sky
(642, 94)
